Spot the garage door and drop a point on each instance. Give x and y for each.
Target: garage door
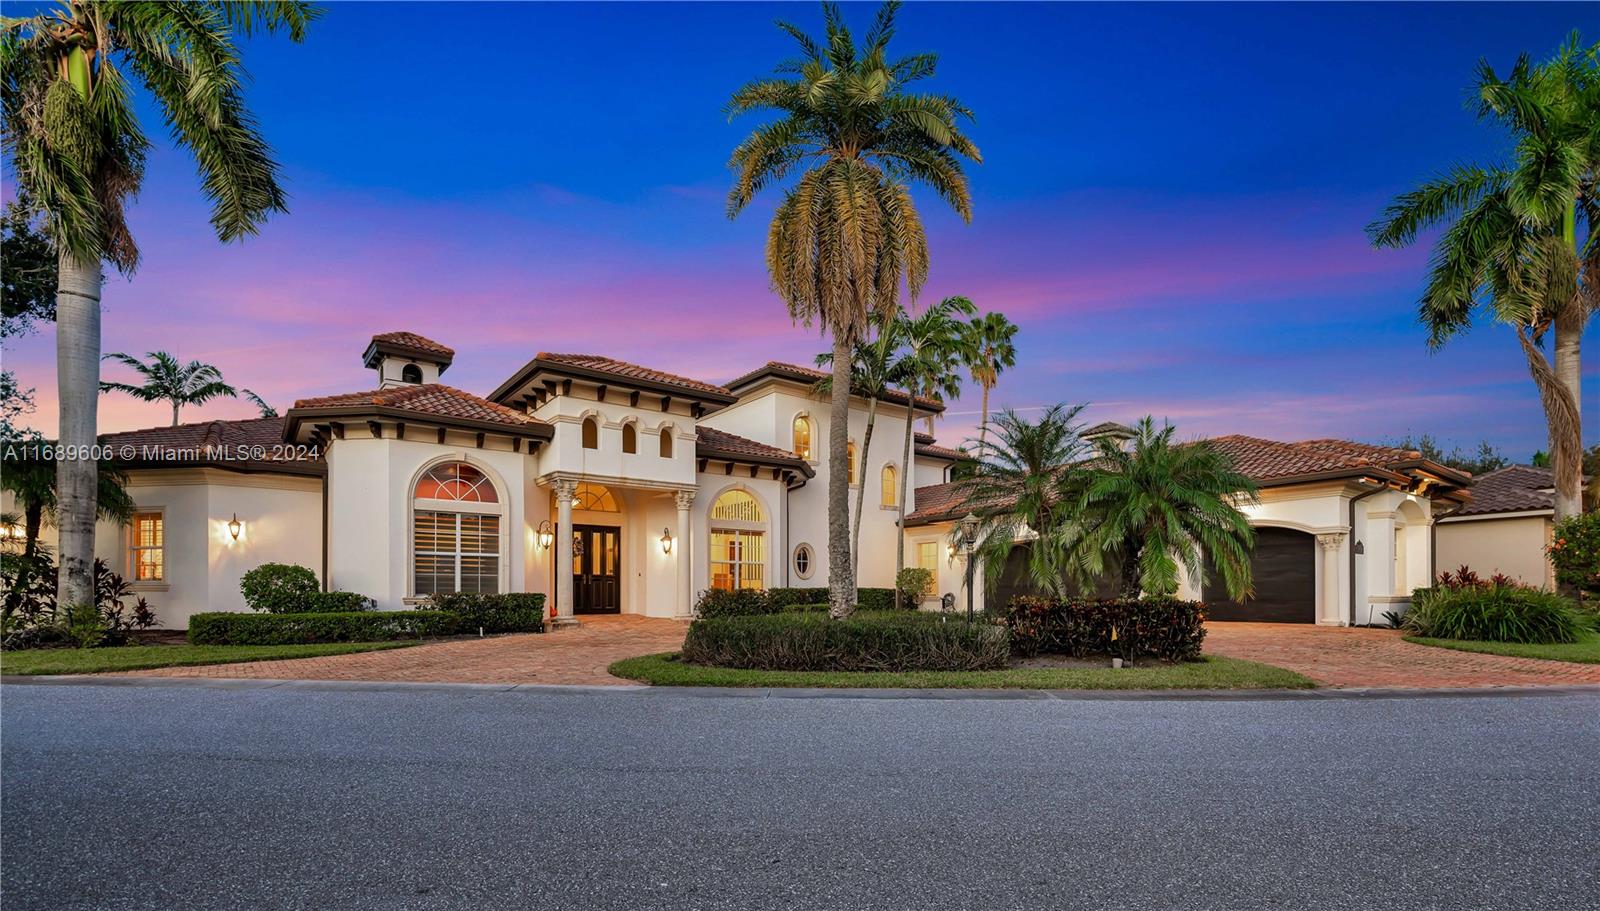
(1284, 573)
(1016, 581)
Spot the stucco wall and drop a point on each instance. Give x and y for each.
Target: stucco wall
(1514, 546)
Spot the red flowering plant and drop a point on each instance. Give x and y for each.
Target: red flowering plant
(1574, 551)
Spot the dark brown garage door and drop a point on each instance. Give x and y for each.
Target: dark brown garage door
(1016, 581)
(1284, 573)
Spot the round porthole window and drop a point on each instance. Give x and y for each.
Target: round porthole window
(802, 561)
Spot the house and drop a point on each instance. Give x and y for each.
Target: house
(1506, 527)
(613, 487)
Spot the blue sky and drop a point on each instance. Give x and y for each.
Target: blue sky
(1170, 206)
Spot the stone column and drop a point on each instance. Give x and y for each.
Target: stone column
(685, 606)
(1331, 610)
(566, 490)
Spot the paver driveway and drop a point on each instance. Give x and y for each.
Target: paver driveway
(1381, 658)
(571, 656)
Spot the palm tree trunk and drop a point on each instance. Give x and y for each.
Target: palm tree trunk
(900, 521)
(78, 386)
(174, 412)
(841, 577)
(855, 536)
(983, 428)
(1562, 420)
(1569, 477)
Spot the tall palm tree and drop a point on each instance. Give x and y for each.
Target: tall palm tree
(932, 344)
(266, 409)
(846, 234)
(77, 149)
(32, 480)
(872, 374)
(165, 380)
(1026, 487)
(991, 349)
(1156, 504)
(1511, 244)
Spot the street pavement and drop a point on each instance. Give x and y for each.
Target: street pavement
(329, 796)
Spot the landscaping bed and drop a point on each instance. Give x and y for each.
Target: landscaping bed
(144, 657)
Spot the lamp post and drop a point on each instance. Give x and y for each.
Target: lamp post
(969, 540)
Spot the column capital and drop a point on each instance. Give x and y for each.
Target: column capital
(684, 498)
(1332, 541)
(566, 489)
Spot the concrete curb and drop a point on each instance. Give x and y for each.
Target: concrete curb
(712, 692)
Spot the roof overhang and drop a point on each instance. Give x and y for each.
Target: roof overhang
(540, 378)
(378, 349)
(770, 373)
(298, 419)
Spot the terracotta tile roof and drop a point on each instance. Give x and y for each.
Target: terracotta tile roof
(940, 452)
(711, 442)
(1269, 460)
(801, 374)
(415, 342)
(246, 443)
(428, 399)
(1515, 488)
(626, 370)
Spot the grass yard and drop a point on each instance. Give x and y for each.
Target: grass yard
(141, 657)
(1585, 651)
(1211, 673)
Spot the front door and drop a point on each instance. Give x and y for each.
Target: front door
(596, 569)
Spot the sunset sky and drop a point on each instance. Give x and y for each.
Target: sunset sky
(1171, 207)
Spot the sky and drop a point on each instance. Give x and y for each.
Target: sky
(1170, 206)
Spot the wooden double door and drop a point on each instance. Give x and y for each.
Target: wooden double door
(596, 569)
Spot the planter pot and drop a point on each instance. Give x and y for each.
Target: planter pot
(1116, 662)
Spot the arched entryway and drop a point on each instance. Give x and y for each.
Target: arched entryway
(596, 550)
(1283, 570)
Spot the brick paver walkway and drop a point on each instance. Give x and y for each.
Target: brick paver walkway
(569, 656)
(1381, 658)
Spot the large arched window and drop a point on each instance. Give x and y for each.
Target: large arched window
(802, 437)
(850, 461)
(456, 531)
(591, 433)
(889, 494)
(738, 542)
(630, 437)
(666, 442)
(595, 498)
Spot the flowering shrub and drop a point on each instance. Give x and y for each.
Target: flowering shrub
(1575, 551)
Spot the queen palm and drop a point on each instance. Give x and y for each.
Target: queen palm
(1511, 241)
(1155, 504)
(991, 350)
(846, 235)
(166, 380)
(77, 150)
(932, 344)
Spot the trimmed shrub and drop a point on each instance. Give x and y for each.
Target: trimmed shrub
(788, 596)
(503, 613)
(915, 585)
(1575, 552)
(868, 641)
(335, 602)
(1165, 629)
(1493, 613)
(873, 599)
(278, 588)
(742, 602)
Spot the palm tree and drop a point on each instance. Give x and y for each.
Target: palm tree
(267, 411)
(77, 149)
(847, 234)
(1028, 485)
(1511, 242)
(933, 345)
(1155, 504)
(165, 380)
(32, 480)
(990, 351)
(872, 373)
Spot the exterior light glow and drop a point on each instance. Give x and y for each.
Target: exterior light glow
(235, 526)
(666, 540)
(547, 534)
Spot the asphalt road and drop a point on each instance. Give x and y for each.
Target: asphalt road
(321, 798)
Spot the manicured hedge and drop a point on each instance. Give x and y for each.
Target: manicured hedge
(508, 612)
(511, 613)
(1165, 629)
(1493, 613)
(333, 602)
(868, 641)
(748, 602)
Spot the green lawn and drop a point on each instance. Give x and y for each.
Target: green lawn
(1585, 651)
(1211, 673)
(140, 657)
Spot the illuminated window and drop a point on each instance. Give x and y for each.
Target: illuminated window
(889, 495)
(738, 542)
(850, 460)
(666, 442)
(591, 433)
(595, 498)
(630, 438)
(802, 437)
(147, 548)
(928, 555)
(456, 520)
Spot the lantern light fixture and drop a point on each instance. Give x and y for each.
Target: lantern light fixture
(547, 534)
(666, 540)
(235, 526)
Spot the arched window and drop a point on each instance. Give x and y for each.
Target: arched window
(411, 373)
(630, 438)
(456, 521)
(802, 437)
(850, 461)
(889, 495)
(591, 433)
(666, 442)
(595, 498)
(738, 542)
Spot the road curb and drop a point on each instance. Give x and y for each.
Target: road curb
(712, 692)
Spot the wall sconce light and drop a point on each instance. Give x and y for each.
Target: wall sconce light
(235, 526)
(666, 540)
(547, 534)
